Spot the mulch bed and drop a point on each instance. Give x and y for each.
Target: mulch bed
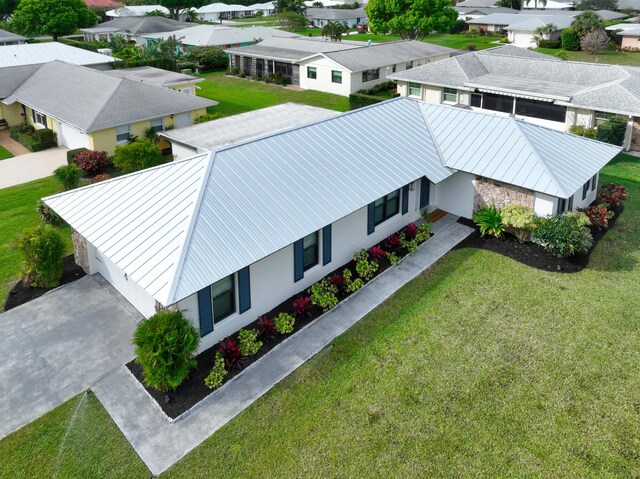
(21, 294)
(532, 254)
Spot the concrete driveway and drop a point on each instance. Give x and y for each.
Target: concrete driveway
(32, 166)
(58, 345)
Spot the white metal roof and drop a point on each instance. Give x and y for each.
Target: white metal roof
(136, 10)
(180, 227)
(36, 53)
(222, 7)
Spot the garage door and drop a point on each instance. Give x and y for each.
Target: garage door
(70, 137)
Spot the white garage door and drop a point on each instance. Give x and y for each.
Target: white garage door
(182, 120)
(70, 137)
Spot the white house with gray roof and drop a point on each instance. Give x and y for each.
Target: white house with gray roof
(226, 236)
(10, 38)
(537, 88)
(133, 28)
(319, 17)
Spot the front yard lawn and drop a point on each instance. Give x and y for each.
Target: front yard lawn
(238, 95)
(18, 207)
(457, 41)
(4, 153)
(610, 56)
(481, 367)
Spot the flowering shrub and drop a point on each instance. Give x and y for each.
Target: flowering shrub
(323, 294)
(217, 374)
(612, 194)
(377, 253)
(285, 323)
(302, 305)
(249, 344)
(91, 161)
(562, 235)
(100, 177)
(266, 327)
(230, 351)
(599, 216)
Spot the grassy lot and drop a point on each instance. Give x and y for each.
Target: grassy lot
(610, 56)
(457, 41)
(481, 367)
(4, 153)
(237, 95)
(18, 207)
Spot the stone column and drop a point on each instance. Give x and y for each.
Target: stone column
(80, 251)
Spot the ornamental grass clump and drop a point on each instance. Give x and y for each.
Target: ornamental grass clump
(68, 176)
(165, 347)
(489, 220)
(249, 344)
(42, 248)
(563, 235)
(217, 374)
(518, 220)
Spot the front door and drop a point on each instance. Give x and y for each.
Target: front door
(425, 185)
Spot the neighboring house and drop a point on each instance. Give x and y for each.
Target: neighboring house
(629, 5)
(538, 88)
(523, 33)
(549, 5)
(267, 9)
(38, 53)
(136, 11)
(102, 5)
(319, 17)
(213, 135)
(222, 11)
(334, 67)
(630, 38)
(471, 13)
(132, 28)
(158, 77)
(219, 36)
(10, 38)
(477, 3)
(227, 236)
(90, 109)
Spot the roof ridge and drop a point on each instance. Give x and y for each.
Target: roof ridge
(104, 105)
(422, 107)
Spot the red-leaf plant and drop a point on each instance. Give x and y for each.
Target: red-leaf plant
(230, 351)
(377, 253)
(599, 215)
(410, 231)
(393, 243)
(302, 305)
(337, 279)
(613, 194)
(266, 327)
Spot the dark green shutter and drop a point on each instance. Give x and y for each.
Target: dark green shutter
(371, 218)
(405, 199)
(244, 290)
(326, 245)
(424, 191)
(570, 207)
(298, 260)
(205, 311)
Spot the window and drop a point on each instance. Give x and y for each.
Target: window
(285, 69)
(585, 189)
(312, 74)
(223, 295)
(386, 207)
(310, 251)
(336, 76)
(562, 205)
(415, 89)
(570, 206)
(450, 95)
(156, 124)
(259, 66)
(494, 102)
(187, 90)
(123, 133)
(602, 116)
(393, 69)
(540, 109)
(476, 100)
(409, 65)
(370, 75)
(39, 118)
(594, 181)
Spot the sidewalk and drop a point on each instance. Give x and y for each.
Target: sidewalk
(161, 443)
(32, 166)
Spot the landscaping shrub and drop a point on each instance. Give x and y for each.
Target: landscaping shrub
(32, 139)
(612, 131)
(364, 267)
(285, 323)
(519, 220)
(100, 177)
(549, 43)
(266, 327)
(208, 117)
(377, 253)
(230, 351)
(302, 305)
(579, 217)
(209, 58)
(582, 131)
(599, 216)
(165, 347)
(393, 258)
(570, 40)
(379, 88)
(458, 26)
(471, 47)
(489, 220)
(92, 161)
(72, 153)
(217, 374)
(472, 33)
(68, 176)
(612, 194)
(249, 344)
(504, 40)
(563, 235)
(357, 100)
(323, 294)
(393, 243)
(42, 249)
(47, 215)
(352, 285)
(338, 280)
(137, 156)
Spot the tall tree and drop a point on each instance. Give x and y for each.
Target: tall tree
(7, 7)
(515, 4)
(296, 6)
(411, 19)
(597, 5)
(587, 22)
(176, 7)
(52, 17)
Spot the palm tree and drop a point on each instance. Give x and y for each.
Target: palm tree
(544, 31)
(535, 3)
(334, 31)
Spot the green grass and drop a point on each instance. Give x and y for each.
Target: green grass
(18, 207)
(237, 95)
(459, 41)
(610, 56)
(76, 440)
(481, 367)
(4, 153)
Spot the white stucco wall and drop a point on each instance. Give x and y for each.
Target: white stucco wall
(181, 152)
(544, 205)
(455, 194)
(272, 277)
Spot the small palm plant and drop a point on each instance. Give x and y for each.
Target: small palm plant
(489, 220)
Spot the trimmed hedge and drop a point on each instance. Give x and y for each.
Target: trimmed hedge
(34, 140)
(570, 41)
(550, 44)
(90, 46)
(612, 131)
(358, 100)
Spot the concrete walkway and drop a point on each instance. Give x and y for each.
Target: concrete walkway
(33, 166)
(161, 443)
(58, 345)
(12, 145)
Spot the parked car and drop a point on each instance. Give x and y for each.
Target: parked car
(362, 28)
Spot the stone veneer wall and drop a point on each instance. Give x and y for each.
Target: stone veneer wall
(80, 251)
(159, 307)
(490, 192)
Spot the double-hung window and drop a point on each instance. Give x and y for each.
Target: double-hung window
(336, 76)
(312, 73)
(450, 95)
(156, 124)
(386, 207)
(223, 295)
(415, 90)
(123, 133)
(39, 118)
(310, 253)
